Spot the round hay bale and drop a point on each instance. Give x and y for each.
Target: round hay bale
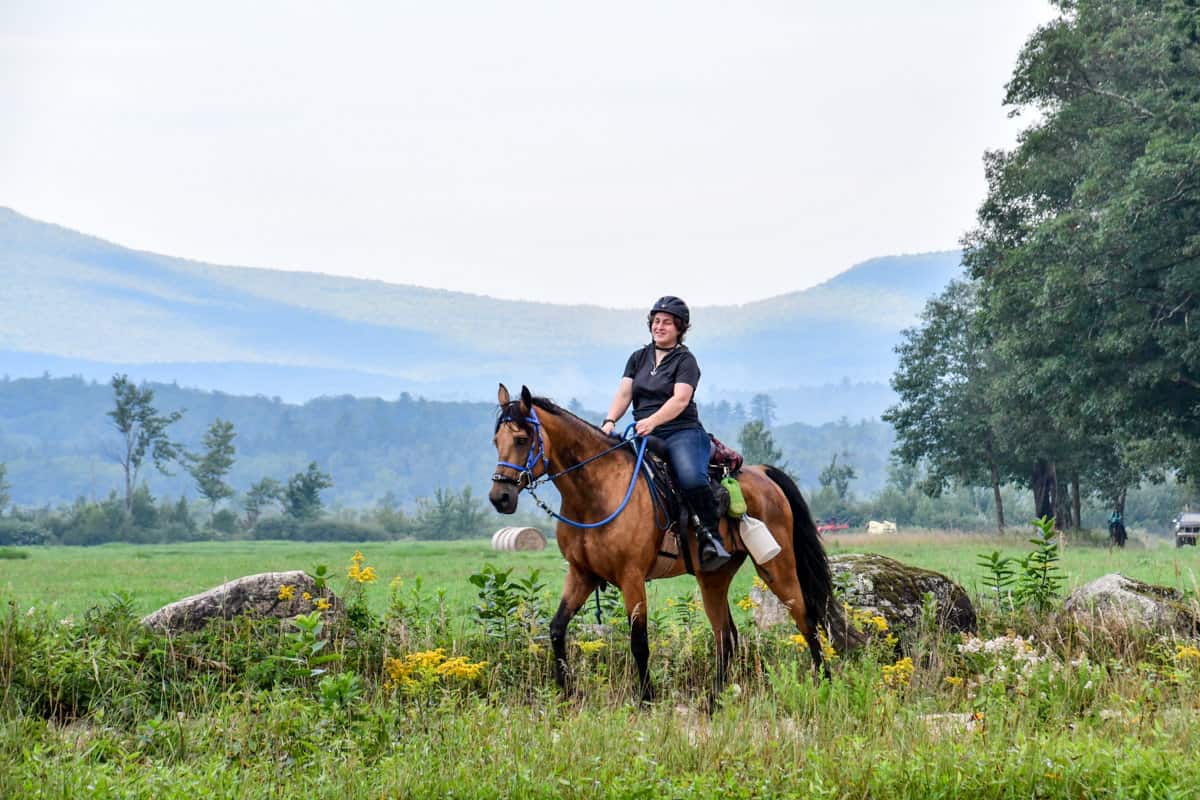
(514, 538)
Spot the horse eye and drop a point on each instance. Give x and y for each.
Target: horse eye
(521, 440)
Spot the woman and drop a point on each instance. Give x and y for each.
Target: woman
(660, 381)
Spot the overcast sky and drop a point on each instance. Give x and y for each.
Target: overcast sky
(565, 152)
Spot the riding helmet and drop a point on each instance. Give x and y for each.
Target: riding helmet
(673, 306)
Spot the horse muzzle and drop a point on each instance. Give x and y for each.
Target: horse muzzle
(503, 497)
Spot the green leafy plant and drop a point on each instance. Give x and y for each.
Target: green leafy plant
(508, 606)
(999, 576)
(1040, 578)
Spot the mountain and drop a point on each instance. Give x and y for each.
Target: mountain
(76, 305)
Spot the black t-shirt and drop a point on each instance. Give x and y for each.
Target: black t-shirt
(653, 386)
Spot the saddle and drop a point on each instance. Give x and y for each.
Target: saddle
(671, 514)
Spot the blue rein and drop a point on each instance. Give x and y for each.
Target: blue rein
(538, 453)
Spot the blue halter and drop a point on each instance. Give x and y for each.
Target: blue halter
(537, 452)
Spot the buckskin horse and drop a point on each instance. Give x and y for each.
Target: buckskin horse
(607, 531)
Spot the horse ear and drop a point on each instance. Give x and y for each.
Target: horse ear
(502, 395)
(526, 400)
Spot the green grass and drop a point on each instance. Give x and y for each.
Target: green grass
(93, 705)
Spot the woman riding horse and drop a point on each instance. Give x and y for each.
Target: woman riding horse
(605, 538)
(660, 380)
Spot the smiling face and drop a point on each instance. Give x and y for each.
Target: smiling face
(664, 330)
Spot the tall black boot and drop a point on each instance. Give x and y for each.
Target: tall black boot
(713, 554)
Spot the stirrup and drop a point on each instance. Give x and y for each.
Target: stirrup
(718, 556)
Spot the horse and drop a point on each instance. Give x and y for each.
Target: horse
(1117, 534)
(534, 436)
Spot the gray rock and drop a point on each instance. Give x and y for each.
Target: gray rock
(257, 595)
(1116, 601)
(885, 587)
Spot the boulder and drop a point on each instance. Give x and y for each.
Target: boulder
(1114, 601)
(258, 595)
(885, 587)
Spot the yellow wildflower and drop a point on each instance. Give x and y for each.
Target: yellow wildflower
(536, 649)
(358, 557)
(322, 604)
(358, 573)
(758, 583)
(954, 680)
(287, 591)
(899, 674)
(1187, 653)
(880, 623)
(592, 647)
(460, 668)
(747, 603)
(307, 596)
(427, 659)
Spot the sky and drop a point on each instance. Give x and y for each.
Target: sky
(600, 153)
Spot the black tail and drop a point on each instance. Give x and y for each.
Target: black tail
(812, 566)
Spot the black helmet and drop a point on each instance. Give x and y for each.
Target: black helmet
(673, 306)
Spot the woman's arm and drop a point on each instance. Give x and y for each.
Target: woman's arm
(670, 410)
(619, 405)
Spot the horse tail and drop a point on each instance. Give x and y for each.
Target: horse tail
(812, 565)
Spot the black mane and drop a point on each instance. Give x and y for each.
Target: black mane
(512, 411)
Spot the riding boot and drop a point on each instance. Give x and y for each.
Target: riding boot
(713, 554)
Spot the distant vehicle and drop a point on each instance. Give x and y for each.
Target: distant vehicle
(1187, 528)
(832, 524)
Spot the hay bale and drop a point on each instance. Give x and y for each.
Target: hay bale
(514, 538)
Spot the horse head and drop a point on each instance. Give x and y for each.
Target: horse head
(518, 444)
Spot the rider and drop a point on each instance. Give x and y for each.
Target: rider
(660, 380)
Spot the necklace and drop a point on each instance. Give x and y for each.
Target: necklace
(668, 351)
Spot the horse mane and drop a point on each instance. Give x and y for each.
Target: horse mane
(513, 411)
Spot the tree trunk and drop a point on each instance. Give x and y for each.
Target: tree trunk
(1076, 502)
(1062, 506)
(996, 495)
(1045, 487)
(1121, 503)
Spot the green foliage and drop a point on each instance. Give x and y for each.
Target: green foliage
(757, 445)
(1040, 580)
(142, 429)
(12, 554)
(302, 495)
(259, 497)
(999, 576)
(210, 468)
(508, 606)
(837, 477)
(5, 497)
(448, 516)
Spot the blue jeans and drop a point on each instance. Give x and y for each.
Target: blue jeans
(689, 449)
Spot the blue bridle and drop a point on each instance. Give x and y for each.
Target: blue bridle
(537, 452)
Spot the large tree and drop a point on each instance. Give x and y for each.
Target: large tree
(945, 417)
(302, 495)
(143, 432)
(1087, 250)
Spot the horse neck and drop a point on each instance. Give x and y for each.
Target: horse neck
(568, 442)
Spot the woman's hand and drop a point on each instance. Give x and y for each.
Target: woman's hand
(645, 426)
(608, 427)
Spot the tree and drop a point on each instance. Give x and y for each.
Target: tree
(143, 430)
(302, 496)
(1086, 248)
(758, 445)
(209, 470)
(946, 414)
(762, 408)
(837, 476)
(260, 495)
(5, 497)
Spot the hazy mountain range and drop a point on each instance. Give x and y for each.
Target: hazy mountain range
(72, 304)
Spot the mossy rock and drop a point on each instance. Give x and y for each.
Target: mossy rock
(885, 587)
(1115, 601)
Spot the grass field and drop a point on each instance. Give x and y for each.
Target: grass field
(72, 579)
(92, 704)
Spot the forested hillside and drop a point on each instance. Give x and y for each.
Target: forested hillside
(59, 444)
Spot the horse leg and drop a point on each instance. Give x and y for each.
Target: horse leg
(634, 593)
(576, 588)
(786, 586)
(714, 589)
